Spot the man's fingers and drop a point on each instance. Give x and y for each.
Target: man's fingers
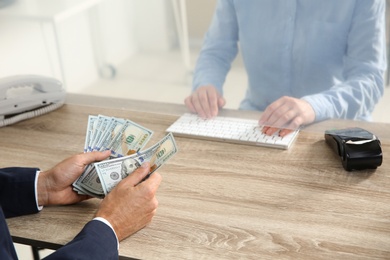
(96, 156)
(153, 182)
(88, 158)
(138, 175)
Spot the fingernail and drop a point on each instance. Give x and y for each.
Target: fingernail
(145, 165)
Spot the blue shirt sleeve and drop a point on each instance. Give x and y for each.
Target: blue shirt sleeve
(364, 67)
(219, 49)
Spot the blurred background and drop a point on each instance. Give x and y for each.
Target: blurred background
(119, 48)
(134, 49)
(101, 47)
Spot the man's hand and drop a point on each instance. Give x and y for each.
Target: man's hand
(287, 114)
(205, 101)
(55, 185)
(131, 205)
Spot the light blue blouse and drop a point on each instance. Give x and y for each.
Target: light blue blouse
(331, 53)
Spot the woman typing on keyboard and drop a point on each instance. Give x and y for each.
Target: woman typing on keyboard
(306, 60)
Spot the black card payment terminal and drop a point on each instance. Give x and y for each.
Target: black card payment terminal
(357, 148)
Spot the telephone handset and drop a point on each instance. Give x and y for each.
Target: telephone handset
(27, 96)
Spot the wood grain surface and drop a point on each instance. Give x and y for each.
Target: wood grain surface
(218, 200)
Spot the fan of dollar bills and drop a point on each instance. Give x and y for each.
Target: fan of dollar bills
(126, 140)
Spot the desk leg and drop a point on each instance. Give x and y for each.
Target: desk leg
(35, 252)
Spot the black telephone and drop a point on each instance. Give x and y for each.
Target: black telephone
(27, 96)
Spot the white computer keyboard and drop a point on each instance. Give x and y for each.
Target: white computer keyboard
(229, 129)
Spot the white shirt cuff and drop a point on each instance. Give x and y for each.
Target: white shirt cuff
(108, 224)
(36, 191)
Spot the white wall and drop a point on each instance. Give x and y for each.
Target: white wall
(22, 49)
(200, 13)
(127, 26)
(153, 25)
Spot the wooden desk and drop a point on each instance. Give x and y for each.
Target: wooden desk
(217, 200)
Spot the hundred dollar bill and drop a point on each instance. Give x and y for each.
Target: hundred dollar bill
(90, 130)
(103, 122)
(95, 124)
(130, 139)
(112, 130)
(122, 137)
(111, 172)
(82, 191)
(89, 184)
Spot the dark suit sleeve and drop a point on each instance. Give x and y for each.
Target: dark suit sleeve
(95, 241)
(17, 197)
(7, 249)
(17, 191)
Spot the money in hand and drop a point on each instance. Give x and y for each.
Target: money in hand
(111, 172)
(126, 140)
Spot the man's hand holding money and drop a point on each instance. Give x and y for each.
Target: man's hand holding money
(131, 205)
